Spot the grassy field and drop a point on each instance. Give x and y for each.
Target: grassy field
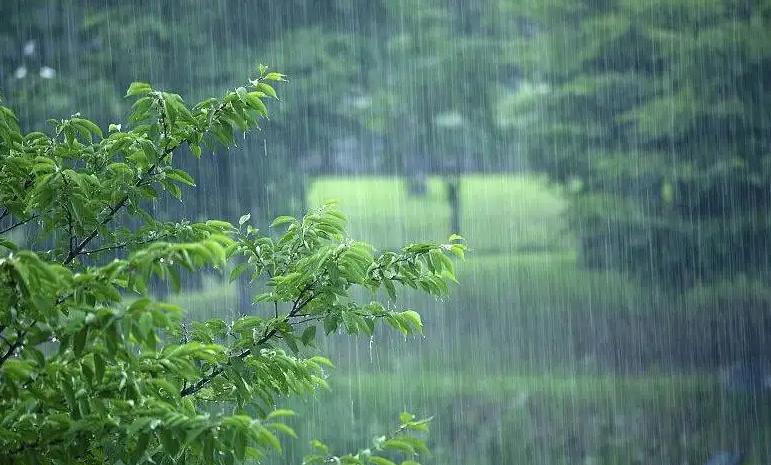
(499, 213)
(544, 419)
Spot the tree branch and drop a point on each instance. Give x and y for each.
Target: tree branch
(268, 335)
(167, 151)
(308, 320)
(112, 211)
(121, 245)
(16, 344)
(14, 226)
(82, 244)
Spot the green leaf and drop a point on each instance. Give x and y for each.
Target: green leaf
(88, 125)
(413, 318)
(99, 367)
(309, 335)
(238, 271)
(269, 90)
(280, 413)
(390, 288)
(399, 445)
(79, 341)
(282, 220)
(181, 176)
(273, 76)
(241, 92)
(319, 360)
(196, 149)
(138, 88)
(375, 460)
(8, 245)
(17, 369)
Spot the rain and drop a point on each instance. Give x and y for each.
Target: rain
(607, 163)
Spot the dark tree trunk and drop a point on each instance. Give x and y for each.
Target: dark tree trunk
(453, 198)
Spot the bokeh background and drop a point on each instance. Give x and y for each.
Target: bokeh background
(608, 162)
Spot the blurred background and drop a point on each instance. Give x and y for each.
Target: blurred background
(608, 162)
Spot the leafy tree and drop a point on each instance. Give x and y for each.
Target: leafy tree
(93, 370)
(442, 56)
(657, 114)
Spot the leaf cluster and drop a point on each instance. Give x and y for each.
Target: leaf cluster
(94, 370)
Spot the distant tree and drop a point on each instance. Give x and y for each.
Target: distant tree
(437, 99)
(380, 86)
(92, 370)
(49, 50)
(657, 115)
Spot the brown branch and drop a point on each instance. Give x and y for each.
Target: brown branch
(167, 151)
(308, 320)
(267, 335)
(20, 223)
(201, 383)
(112, 211)
(82, 244)
(109, 247)
(121, 245)
(16, 344)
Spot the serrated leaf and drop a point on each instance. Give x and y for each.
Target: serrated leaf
(138, 88)
(309, 335)
(269, 90)
(282, 220)
(79, 341)
(8, 245)
(280, 413)
(238, 271)
(376, 460)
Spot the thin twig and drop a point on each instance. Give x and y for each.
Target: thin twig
(167, 152)
(14, 226)
(16, 344)
(308, 320)
(121, 245)
(268, 335)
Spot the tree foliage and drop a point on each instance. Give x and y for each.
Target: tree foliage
(94, 370)
(657, 114)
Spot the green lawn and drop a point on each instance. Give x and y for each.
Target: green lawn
(499, 213)
(545, 419)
